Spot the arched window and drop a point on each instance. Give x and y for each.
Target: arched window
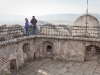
(93, 48)
(26, 48)
(92, 52)
(49, 48)
(13, 65)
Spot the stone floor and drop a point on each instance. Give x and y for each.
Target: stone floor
(52, 67)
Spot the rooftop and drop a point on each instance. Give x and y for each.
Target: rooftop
(53, 67)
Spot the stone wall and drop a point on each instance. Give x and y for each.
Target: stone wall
(55, 30)
(11, 32)
(16, 31)
(70, 50)
(15, 51)
(13, 54)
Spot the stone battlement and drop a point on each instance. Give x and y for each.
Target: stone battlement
(69, 43)
(16, 31)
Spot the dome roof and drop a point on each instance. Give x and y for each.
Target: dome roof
(91, 21)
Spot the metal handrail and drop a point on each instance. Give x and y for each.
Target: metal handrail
(16, 31)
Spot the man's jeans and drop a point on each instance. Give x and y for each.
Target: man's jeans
(27, 32)
(34, 30)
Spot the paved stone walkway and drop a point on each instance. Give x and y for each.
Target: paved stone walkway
(52, 67)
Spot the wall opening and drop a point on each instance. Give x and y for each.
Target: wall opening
(92, 52)
(49, 48)
(26, 52)
(13, 65)
(26, 48)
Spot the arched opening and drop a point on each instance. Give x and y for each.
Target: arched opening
(13, 65)
(49, 48)
(26, 51)
(92, 52)
(26, 48)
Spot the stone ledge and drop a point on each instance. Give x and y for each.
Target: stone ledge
(48, 37)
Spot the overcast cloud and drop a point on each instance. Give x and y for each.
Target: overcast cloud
(44, 7)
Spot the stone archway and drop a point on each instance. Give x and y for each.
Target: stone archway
(13, 65)
(92, 53)
(26, 51)
(47, 49)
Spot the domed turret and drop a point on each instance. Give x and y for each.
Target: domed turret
(91, 21)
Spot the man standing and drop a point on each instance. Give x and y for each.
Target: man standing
(33, 22)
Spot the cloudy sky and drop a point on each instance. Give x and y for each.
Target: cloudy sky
(44, 7)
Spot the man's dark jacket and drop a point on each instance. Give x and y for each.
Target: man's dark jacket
(33, 21)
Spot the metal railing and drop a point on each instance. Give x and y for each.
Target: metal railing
(87, 32)
(16, 31)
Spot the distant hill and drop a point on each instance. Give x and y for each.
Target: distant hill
(62, 19)
(16, 19)
(67, 19)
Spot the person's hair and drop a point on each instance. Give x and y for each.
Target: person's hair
(33, 16)
(26, 19)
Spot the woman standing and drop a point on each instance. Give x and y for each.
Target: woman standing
(26, 26)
